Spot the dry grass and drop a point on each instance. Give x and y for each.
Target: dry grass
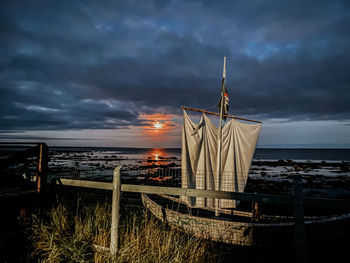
(83, 236)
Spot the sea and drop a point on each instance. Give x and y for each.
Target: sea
(98, 164)
(260, 153)
(325, 175)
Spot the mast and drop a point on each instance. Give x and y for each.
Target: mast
(220, 136)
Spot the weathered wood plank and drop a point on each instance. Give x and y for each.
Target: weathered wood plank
(89, 184)
(206, 193)
(265, 198)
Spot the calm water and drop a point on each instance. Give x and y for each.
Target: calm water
(260, 153)
(303, 154)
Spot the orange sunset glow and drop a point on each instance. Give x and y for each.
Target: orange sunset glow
(157, 124)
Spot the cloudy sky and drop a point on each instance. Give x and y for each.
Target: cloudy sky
(116, 73)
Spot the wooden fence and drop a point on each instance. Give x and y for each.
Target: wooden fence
(297, 201)
(34, 149)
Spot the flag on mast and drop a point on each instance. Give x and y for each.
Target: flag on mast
(224, 93)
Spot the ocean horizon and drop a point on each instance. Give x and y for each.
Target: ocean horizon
(261, 153)
(312, 154)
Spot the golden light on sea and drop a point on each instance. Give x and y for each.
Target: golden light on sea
(156, 157)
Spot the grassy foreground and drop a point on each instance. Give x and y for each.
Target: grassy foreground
(83, 235)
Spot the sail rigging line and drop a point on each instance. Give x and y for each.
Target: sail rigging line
(217, 114)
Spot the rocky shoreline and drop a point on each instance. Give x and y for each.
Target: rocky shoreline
(320, 178)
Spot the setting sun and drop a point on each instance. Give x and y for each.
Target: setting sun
(158, 125)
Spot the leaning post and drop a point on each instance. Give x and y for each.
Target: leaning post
(299, 226)
(115, 211)
(42, 166)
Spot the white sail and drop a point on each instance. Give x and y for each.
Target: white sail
(199, 158)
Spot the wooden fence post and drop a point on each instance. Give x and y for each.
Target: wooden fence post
(42, 166)
(115, 211)
(255, 211)
(299, 227)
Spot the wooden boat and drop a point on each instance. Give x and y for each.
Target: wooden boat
(239, 228)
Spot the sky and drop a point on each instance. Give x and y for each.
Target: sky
(116, 73)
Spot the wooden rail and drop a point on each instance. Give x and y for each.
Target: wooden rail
(88, 184)
(263, 198)
(148, 189)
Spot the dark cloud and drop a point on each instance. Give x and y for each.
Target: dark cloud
(97, 65)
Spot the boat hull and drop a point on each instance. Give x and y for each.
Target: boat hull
(243, 232)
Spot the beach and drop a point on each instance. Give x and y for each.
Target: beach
(325, 172)
(323, 177)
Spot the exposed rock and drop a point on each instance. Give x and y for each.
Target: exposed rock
(297, 168)
(281, 162)
(344, 167)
